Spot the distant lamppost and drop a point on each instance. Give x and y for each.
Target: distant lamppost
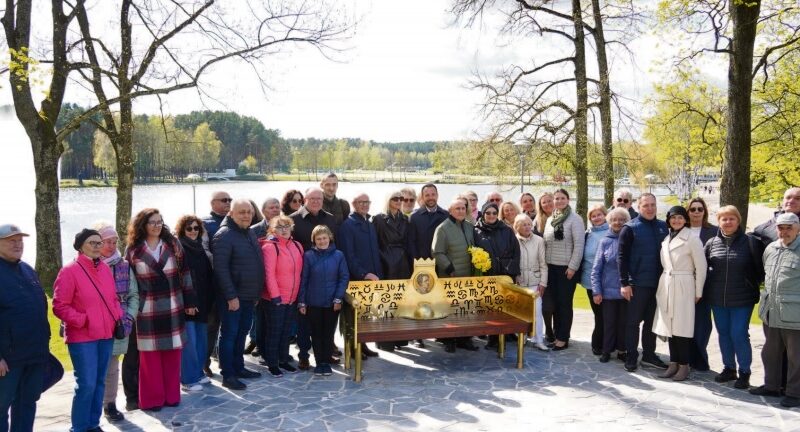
(521, 147)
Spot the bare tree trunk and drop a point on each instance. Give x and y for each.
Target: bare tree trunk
(605, 105)
(735, 184)
(581, 128)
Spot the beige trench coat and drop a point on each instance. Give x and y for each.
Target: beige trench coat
(681, 282)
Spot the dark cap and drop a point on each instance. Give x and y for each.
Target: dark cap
(677, 210)
(81, 237)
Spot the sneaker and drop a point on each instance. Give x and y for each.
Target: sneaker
(790, 402)
(191, 387)
(112, 413)
(605, 357)
(654, 362)
(327, 370)
(763, 391)
(319, 371)
(131, 406)
(287, 367)
(204, 380)
(743, 383)
(275, 372)
(303, 364)
(630, 366)
(726, 375)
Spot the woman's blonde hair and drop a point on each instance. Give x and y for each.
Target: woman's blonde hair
(277, 220)
(727, 211)
(321, 229)
(593, 209)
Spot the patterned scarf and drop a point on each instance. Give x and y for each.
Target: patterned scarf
(121, 270)
(559, 216)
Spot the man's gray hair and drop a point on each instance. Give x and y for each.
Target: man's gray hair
(268, 201)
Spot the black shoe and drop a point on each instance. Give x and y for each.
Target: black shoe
(364, 350)
(207, 371)
(560, 348)
(287, 367)
(420, 343)
(700, 367)
(654, 362)
(256, 353)
(622, 356)
(763, 391)
(743, 383)
(173, 405)
(630, 366)
(337, 352)
(467, 345)
(598, 352)
(790, 402)
(550, 338)
(303, 364)
(605, 357)
(131, 406)
(152, 409)
(385, 346)
(250, 347)
(275, 372)
(450, 346)
(233, 383)
(112, 413)
(247, 373)
(726, 375)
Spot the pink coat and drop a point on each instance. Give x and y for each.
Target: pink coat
(284, 265)
(77, 303)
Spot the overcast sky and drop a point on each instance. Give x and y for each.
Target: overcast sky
(404, 78)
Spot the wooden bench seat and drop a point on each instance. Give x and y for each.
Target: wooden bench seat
(490, 323)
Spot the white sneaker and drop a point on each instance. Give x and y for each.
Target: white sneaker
(204, 380)
(541, 346)
(191, 387)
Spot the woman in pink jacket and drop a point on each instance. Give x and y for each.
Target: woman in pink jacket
(85, 299)
(283, 261)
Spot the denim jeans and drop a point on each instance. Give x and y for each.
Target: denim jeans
(20, 388)
(90, 360)
(234, 326)
(193, 353)
(733, 325)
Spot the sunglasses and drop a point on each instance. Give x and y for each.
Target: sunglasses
(408, 200)
(623, 200)
(225, 200)
(297, 201)
(696, 209)
(397, 199)
(193, 228)
(496, 200)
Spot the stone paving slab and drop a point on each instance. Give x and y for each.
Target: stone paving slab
(429, 389)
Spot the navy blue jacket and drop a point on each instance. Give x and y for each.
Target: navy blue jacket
(639, 256)
(735, 270)
(24, 331)
(324, 278)
(423, 225)
(358, 240)
(238, 262)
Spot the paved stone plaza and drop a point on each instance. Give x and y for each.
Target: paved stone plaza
(428, 389)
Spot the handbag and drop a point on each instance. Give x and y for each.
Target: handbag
(53, 372)
(119, 327)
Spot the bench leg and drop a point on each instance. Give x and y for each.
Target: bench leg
(520, 349)
(501, 346)
(358, 363)
(348, 344)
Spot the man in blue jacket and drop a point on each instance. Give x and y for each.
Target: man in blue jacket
(639, 269)
(424, 220)
(24, 334)
(239, 271)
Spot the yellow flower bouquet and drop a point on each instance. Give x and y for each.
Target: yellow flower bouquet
(481, 261)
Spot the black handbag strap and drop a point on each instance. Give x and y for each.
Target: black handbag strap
(96, 289)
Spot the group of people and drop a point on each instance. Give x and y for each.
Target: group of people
(278, 273)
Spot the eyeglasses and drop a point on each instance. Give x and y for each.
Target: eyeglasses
(696, 209)
(193, 228)
(225, 200)
(297, 201)
(397, 199)
(408, 200)
(490, 213)
(155, 223)
(496, 200)
(283, 227)
(95, 244)
(623, 200)
(363, 202)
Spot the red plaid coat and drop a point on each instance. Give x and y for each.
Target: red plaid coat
(162, 298)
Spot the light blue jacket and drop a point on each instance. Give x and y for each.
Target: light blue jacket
(605, 270)
(593, 237)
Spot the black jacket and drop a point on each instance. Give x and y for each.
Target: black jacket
(24, 331)
(502, 245)
(766, 232)
(394, 245)
(238, 262)
(305, 222)
(202, 278)
(735, 270)
(423, 224)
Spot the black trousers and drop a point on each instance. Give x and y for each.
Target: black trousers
(642, 307)
(548, 306)
(261, 317)
(563, 290)
(322, 323)
(698, 357)
(614, 324)
(212, 331)
(680, 349)
(130, 369)
(597, 333)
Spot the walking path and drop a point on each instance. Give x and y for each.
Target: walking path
(428, 389)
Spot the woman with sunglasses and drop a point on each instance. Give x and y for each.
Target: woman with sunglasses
(166, 296)
(85, 299)
(291, 202)
(189, 230)
(409, 200)
(700, 228)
